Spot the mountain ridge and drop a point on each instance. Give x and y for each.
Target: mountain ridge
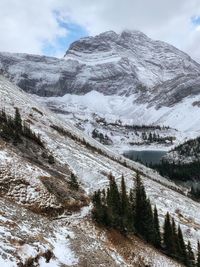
(110, 63)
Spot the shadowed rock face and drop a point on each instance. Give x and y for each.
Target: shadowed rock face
(110, 63)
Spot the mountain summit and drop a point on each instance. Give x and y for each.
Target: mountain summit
(110, 63)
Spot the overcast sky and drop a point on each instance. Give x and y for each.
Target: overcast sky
(49, 26)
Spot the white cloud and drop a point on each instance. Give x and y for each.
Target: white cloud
(25, 25)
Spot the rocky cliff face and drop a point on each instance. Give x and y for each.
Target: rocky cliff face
(113, 64)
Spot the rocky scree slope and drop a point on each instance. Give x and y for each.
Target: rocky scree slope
(80, 154)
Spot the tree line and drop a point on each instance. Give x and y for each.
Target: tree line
(13, 129)
(178, 171)
(132, 213)
(153, 137)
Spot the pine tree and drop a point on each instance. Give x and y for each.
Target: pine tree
(148, 223)
(190, 256)
(98, 210)
(131, 211)
(157, 241)
(17, 127)
(124, 198)
(198, 255)
(140, 198)
(168, 235)
(114, 203)
(18, 121)
(124, 203)
(73, 183)
(175, 248)
(182, 253)
(3, 116)
(181, 249)
(143, 212)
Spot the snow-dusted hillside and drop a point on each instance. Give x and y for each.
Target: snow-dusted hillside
(73, 154)
(85, 111)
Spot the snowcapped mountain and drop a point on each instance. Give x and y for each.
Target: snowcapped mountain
(31, 182)
(130, 62)
(127, 77)
(110, 63)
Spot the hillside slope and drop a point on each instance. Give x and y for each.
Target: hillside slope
(77, 153)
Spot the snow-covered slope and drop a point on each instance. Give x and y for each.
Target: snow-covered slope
(70, 150)
(184, 116)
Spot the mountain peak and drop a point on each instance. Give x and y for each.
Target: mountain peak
(111, 63)
(110, 34)
(132, 33)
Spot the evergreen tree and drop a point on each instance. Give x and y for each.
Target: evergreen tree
(124, 198)
(18, 121)
(131, 211)
(126, 212)
(73, 183)
(144, 224)
(198, 255)
(157, 240)
(168, 235)
(124, 203)
(140, 198)
(17, 127)
(114, 203)
(190, 256)
(97, 210)
(148, 223)
(175, 248)
(3, 116)
(150, 137)
(182, 252)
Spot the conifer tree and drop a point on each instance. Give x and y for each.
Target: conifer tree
(190, 256)
(124, 198)
(168, 235)
(143, 212)
(198, 255)
(18, 120)
(140, 198)
(97, 210)
(157, 240)
(182, 253)
(148, 223)
(175, 247)
(124, 203)
(3, 116)
(131, 211)
(17, 127)
(73, 183)
(114, 203)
